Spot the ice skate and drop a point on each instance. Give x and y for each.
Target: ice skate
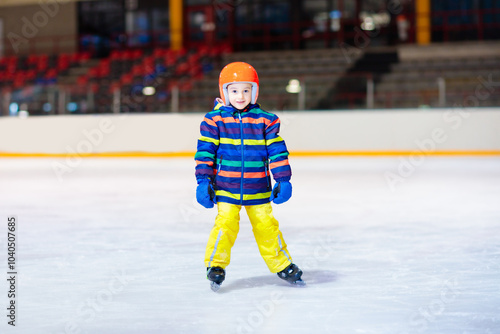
(292, 274)
(216, 276)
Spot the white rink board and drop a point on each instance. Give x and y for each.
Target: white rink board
(117, 247)
(352, 131)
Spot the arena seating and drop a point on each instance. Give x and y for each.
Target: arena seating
(31, 77)
(413, 82)
(17, 72)
(409, 80)
(317, 70)
(129, 71)
(195, 73)
(95, 81)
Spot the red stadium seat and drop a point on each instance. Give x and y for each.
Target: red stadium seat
(82, 80)
(19, 81)
(126, 79)
(137, 54)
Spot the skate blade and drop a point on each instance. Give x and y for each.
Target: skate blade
(214, 286)
(299, 283)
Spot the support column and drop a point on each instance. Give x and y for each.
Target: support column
(423, 21)
(176, 14)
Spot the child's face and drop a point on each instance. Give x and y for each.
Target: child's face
(240, 94)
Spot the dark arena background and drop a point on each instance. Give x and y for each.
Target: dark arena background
(390, 110)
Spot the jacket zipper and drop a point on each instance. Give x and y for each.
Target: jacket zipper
(218, 171)
(242, 158)
(266, 171)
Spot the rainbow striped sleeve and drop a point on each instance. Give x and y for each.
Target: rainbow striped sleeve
(278, 153)
(208, 143)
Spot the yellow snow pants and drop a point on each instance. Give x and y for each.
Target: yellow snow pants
(265, 228)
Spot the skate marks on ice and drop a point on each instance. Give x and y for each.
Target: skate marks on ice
(311, 277)
(314, 277)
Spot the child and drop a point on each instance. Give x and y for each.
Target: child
(238, 147)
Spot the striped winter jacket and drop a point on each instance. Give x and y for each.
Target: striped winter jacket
(236, 151)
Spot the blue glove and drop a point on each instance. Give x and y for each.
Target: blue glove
(205, 194)
(282, 192)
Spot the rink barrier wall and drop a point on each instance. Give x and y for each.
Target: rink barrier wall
(313, 133)
(192, 153)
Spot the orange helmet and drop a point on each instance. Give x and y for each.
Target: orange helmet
(238, 72)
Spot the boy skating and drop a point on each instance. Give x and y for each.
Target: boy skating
(237, 152)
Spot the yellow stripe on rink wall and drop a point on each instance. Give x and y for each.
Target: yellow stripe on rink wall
(99, 155)
(395, 153)
(292, 154)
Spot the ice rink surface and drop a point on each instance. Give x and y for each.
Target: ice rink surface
(387, 245)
